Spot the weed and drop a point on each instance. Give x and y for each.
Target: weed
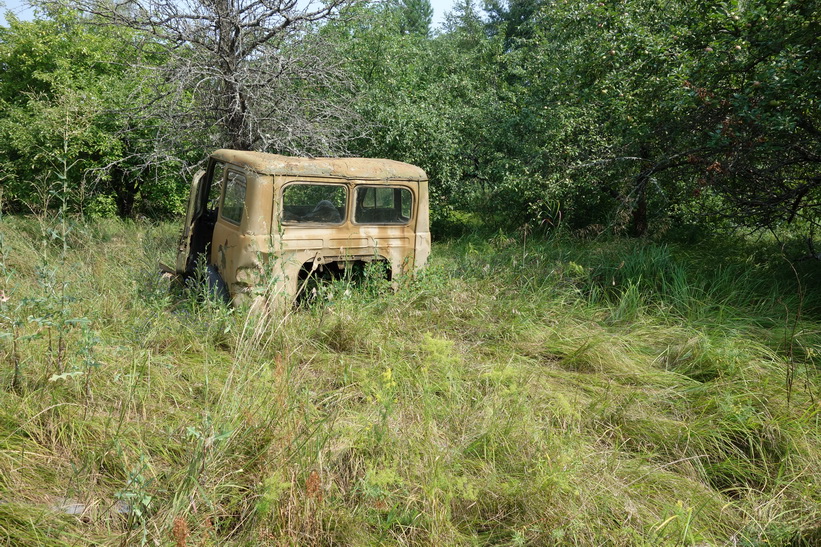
(135, 496)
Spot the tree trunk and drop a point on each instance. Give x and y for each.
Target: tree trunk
(639, 214)
(126, 187)
(639, 225)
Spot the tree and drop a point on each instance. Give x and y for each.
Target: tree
(616, 114)
(612, 72)
(512, 18)
(248, 74)
(69, 125)
(757, 89)
(428, 101)
(415, 17)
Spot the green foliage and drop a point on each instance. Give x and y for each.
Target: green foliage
(415, 17)
(71, 130)
(662, 109)
(756, 83)
(432, 103)
(624, 117)
(629, 118)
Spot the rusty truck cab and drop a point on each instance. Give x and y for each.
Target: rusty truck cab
(257, 220)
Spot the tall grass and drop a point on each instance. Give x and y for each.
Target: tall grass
(553, 392)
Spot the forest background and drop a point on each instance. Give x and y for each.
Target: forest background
(616, 341)
(602, 116)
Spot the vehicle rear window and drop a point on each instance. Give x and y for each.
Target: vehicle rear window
(314, 203)
(383, 205)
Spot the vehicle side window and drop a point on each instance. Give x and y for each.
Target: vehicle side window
(215, 191)
(314, 203)
(234, 200)
(383, 205)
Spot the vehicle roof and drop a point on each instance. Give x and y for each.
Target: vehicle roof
(348, 168)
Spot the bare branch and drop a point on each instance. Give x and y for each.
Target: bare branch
(241, 73)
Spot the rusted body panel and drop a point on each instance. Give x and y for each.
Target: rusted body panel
(334, 168)
(273, 216)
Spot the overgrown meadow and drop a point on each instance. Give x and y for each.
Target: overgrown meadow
(539, 390)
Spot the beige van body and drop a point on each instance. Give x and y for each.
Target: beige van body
(261, 221)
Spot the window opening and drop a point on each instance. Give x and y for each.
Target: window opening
(383, 205)
(234, 201)
(215, 191)
(314, 203)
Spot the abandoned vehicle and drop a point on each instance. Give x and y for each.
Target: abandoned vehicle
(260, 224)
